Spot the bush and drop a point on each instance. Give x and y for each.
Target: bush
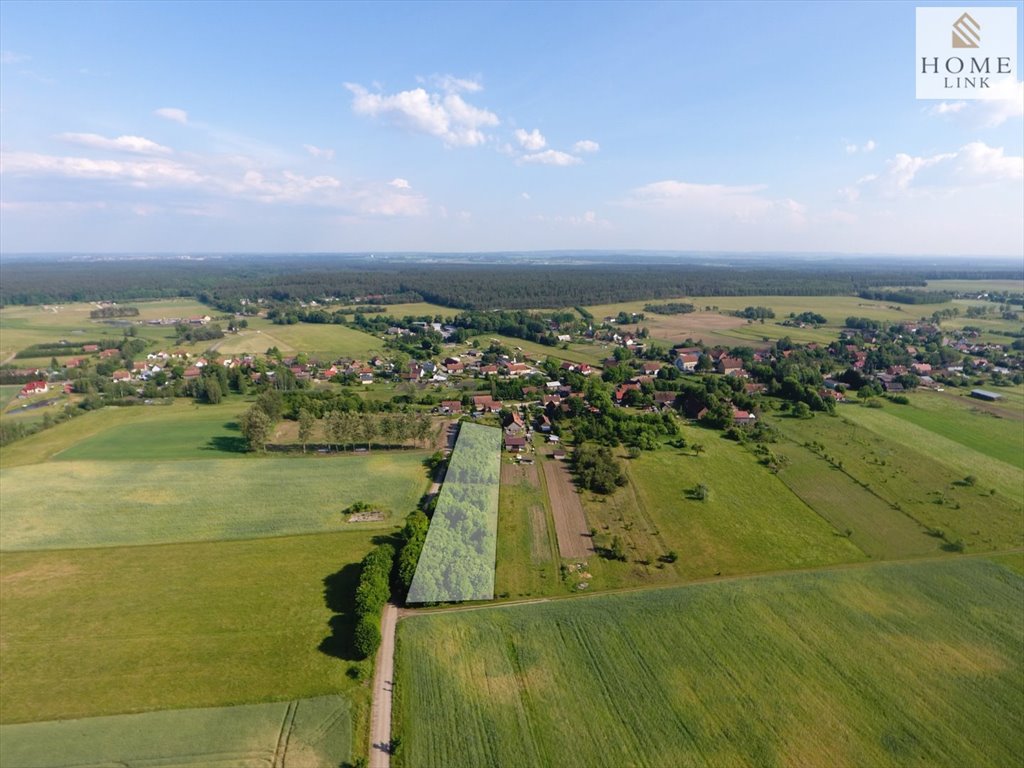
(367, 635)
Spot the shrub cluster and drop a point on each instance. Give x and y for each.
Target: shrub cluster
(373, 591)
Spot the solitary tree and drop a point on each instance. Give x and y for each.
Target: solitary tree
(306, 424)
(256, 426)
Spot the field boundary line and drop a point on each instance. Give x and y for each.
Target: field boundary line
(406, 613)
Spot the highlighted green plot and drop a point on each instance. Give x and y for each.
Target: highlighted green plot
(304, 732)
(457, 562)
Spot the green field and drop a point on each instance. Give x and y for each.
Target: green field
(323, 342)
(885, 665)
(179, 430)
(920, 472)
(108, 631)
(750, 521)
(307, 732)
(8, 393)
(874, 526)
(108, 503)
(578, 353)
(24, 326)
(527, 562)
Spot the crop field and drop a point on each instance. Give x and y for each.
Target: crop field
(323, 342)
(92, 632)
(306, 733)
(922, 473)
(527, 562)
(983, 427)
(108, 503)
(1013, 286)
(571, 528)
(881, 665)
(179, 430)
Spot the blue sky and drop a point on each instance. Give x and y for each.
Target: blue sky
(177, 127)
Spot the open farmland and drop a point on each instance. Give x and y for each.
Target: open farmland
(527, 562)
(881, 665)
(135, 629)
(749, 521)
(24, 326)
(107, 503)
(307, 733)
(922, 473)
(323, 342)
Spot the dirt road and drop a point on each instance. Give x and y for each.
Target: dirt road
(383, 686)
(574, 540)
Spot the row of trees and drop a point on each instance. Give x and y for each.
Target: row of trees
(372, 594)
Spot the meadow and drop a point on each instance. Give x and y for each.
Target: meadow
(527, 559)
(921, 473)
(108, 503)
(321, 342)
(882, 665)
(90, 632)
(24, 326)
(749, 521)
(307, 732)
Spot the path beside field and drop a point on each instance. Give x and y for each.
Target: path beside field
(574, 539)
(383, 687)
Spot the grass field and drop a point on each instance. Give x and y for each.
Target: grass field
(108, 503)
(579, 353)
(8, 393)
(884, 665)
(108, 631)
(527, 561)
(873, 525)
(749, 522)
(179, 430)
(307, 732)
(24, 326)
(922, 473)
(323, 342)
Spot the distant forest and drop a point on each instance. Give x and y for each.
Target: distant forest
(224, 282)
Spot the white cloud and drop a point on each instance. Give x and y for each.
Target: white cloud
(12, 57)
(586, 219)
(1008, 103)
(173, 114)
(948, 108)
(139, 173)
(452, 84)
(318, 152)
(585, 145)
(446, 116)
(531, 141)
(225, 179)
(979, 161)
(135, 144)
(868, 146)
(525, 195)
(739, 204)
(973, 164)
(551, 157)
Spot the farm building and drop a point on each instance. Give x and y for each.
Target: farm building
(984, 394)
(515, 444)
